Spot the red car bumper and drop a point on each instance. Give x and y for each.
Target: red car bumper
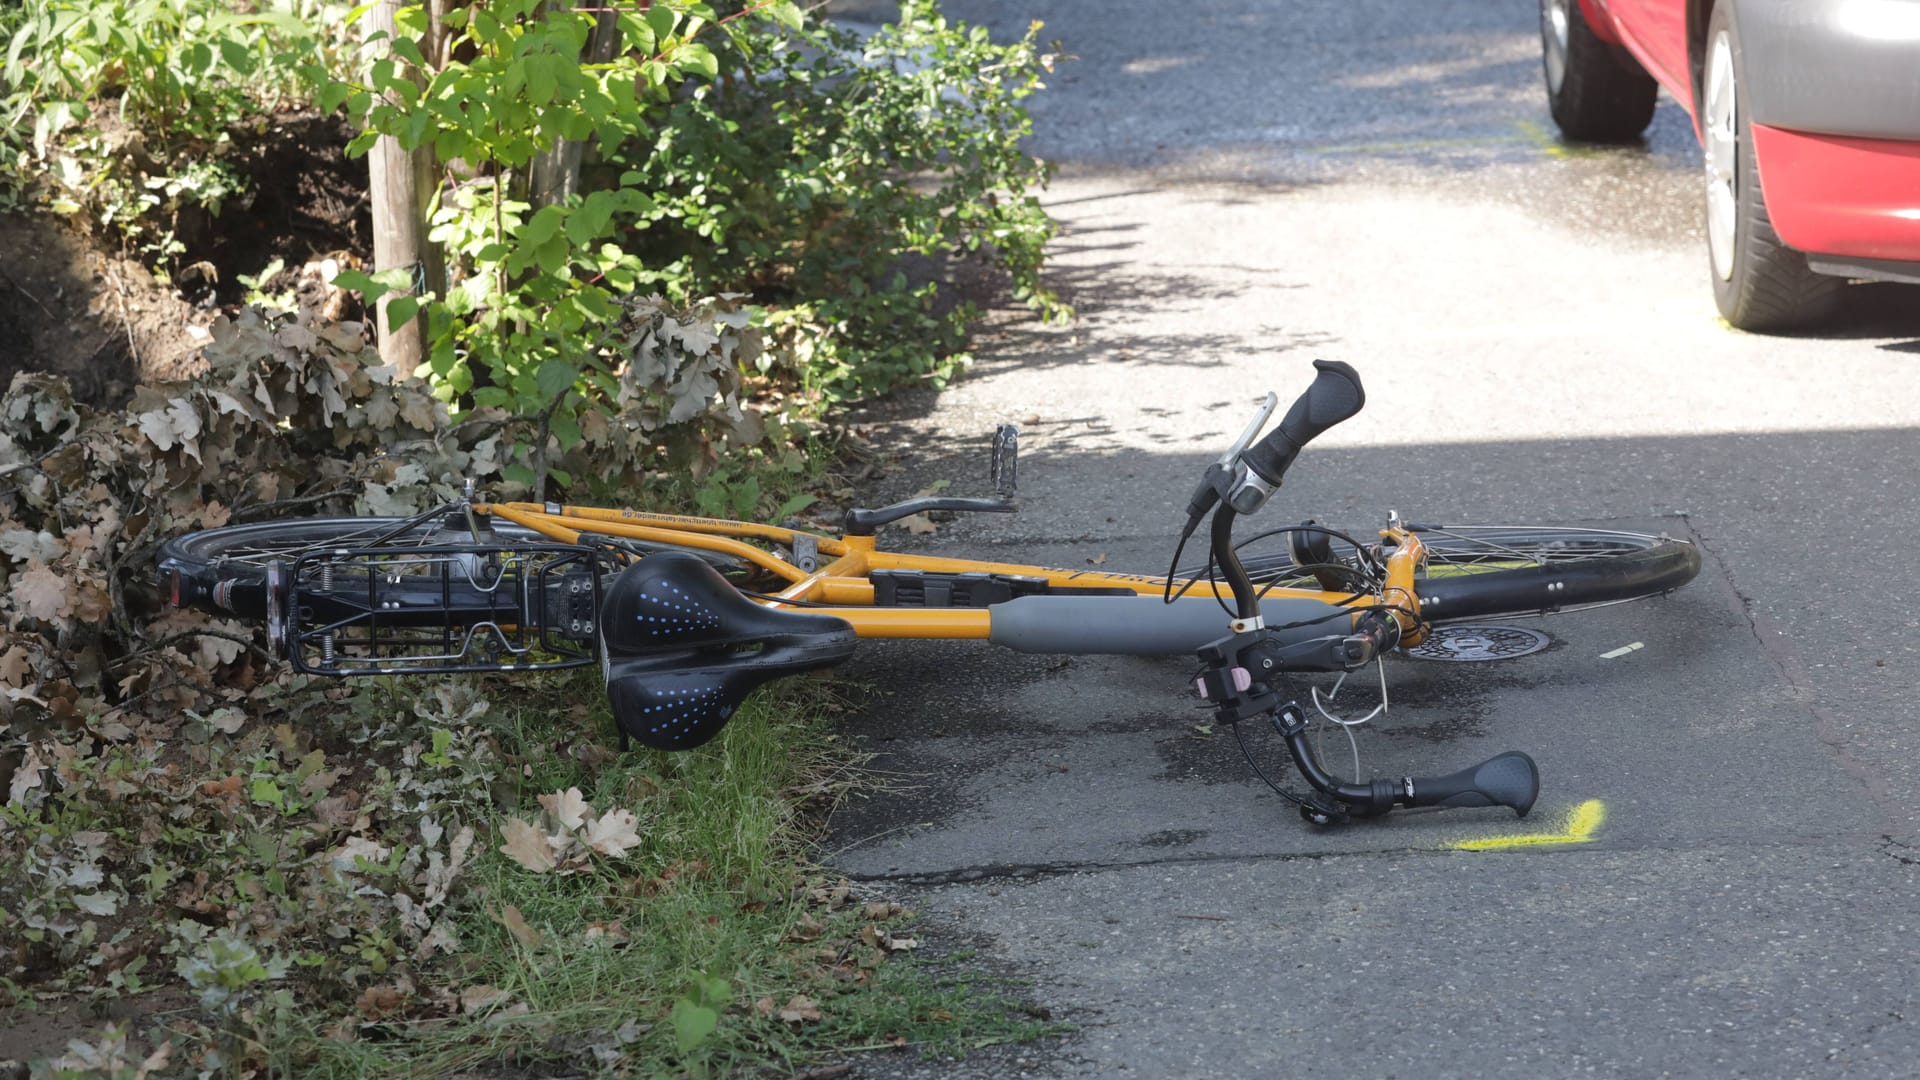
(1842, 196)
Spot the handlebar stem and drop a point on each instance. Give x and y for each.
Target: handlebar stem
(1246, 601)
(1406, 557)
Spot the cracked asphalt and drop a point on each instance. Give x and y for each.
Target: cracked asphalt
(1244, 187)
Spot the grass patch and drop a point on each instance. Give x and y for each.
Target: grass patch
(333, 892)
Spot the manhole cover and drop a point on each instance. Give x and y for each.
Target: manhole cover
(1468, 643)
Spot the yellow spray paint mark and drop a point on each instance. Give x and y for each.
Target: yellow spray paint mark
(1527, 133)
(1551, 146)
(1578, 828)
(1415, 146)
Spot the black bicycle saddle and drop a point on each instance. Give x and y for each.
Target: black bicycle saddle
(684, 649)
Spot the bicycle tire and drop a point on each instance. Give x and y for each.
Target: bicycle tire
(1482, 571)
(1485, 571)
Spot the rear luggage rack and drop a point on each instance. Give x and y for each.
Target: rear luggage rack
(427, 610)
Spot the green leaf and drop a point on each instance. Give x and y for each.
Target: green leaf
(517, 473)
(692, 1023)
(543, 225)
(589, 222)
(552, 255)
(355, 281)
(786, 13)
(697, 58)
(485, 28)
(267, 793)
(401, 311)
(331, 96)
(793, 505)
(411, 20)
(554, 378)
(542, 78)
(637, 33)
(662, 19)
(746, 497)
(398, 279)
(236, 56)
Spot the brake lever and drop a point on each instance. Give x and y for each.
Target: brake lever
(1246, 437)
(1214, 483)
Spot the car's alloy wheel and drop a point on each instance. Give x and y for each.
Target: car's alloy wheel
(1553, 41)
(1720, 144)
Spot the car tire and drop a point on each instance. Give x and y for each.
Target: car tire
(1759, 283)
(1597, 92)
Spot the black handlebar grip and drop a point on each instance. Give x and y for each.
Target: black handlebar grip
(1512, 779)
(1335, 395)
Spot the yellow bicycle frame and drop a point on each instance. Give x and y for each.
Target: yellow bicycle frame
(843, 587)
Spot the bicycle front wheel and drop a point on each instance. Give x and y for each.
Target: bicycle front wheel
(1483, 571)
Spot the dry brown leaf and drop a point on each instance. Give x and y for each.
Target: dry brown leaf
(379, 1002)
(805, 929)
(26, 775)
(357, 851)
(612, 933)
(527, 846)
(482, 997)
(568, 807)
(800, 1009)
(14, 666)
(1098, 559)
(613, 834)
(41, 592)
(919, 525)
(517, 925)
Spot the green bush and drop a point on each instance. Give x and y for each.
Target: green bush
(125, 111)
(819, 167)
(759, 156)
(742, 153)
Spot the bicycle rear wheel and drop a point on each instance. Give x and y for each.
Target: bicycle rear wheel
(1482, 571)
(224, 571)
(386, 595)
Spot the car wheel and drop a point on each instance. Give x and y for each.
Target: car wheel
(1758, 282)
(1596, 91)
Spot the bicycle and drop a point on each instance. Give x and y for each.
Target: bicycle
(686, 615)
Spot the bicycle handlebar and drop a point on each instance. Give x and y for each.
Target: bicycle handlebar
(1335, 396)
(1510, 779)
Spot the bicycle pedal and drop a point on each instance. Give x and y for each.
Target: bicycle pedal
(1004, 468)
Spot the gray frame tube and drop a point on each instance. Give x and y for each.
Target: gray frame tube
(1146, 625)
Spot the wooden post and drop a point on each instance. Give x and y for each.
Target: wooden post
(555, 173)
(399, 225)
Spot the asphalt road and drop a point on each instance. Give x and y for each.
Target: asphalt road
(1245, 187)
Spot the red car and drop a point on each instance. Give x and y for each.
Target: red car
(1808, 113)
